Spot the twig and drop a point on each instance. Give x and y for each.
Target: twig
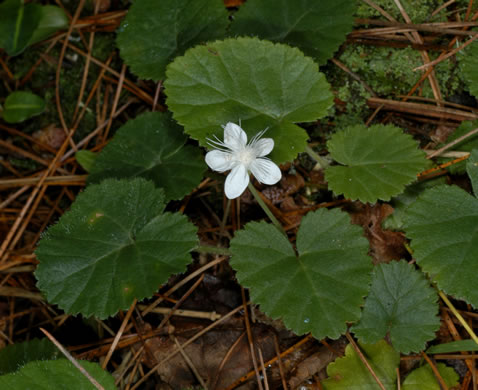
(250, 339)
(458, 316)
(191, 340)
(435, 371)
(449, 54)
(364, 360)
(72, 360)
(453, 143)
(118, 335)
(189, 362)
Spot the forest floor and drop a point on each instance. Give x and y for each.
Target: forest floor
(40, 178)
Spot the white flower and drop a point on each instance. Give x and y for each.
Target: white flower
(240, 157)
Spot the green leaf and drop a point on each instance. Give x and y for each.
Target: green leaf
(114, 245)
(20, 106)
(423, 378)
(17, 25)
(443, 227)
(400, 299)
(154, 32)
(400, 203)
(469, 63)
(12, 357)
(56, 374)
(86, 159)
(317, 291)
(53, 18)
(152, 146)
(349, 372)
(257, 83)
(467, 145)
(318, 28)
(454, 346)
(472, 170)
(378, 162)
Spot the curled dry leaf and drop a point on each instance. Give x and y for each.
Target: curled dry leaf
(385, 245)
(51, 136)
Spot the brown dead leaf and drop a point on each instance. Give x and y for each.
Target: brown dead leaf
(385, 245)
(208, 355)
(311, 366)
(51, 136)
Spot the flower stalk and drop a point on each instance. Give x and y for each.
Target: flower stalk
(266, 209)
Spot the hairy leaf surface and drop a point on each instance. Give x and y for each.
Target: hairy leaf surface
(154, 32)
(377, 162)
(317, 291)
(56, 374)
(443, 227)
(472, 170)
(14, 356)
(152, 146)
(114, 245)
(400, 299)
(318, 28)
(256, 83)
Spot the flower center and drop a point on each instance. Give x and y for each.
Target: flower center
(246, 156)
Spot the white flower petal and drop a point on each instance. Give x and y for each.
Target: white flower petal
(265, 171)
(236, 182)
(234, 137)
(263, 147)
(219, 161)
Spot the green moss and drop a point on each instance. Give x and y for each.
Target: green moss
(43, 82)
(389, 71)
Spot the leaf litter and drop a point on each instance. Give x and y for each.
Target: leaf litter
(223, 354)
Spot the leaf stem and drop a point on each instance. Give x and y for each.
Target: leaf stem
(266, 209)
(212, 249)
(226, 214)
(458, 316)
(321, 161)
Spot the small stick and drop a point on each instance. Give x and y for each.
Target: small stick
(72, 360)
(435, 371)
(118, 335)
(189, 362)
(364, 360)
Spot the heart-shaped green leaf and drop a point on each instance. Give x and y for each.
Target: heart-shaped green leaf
(472, 170)
(17, 24)
(152, 146)
(154, 32)
(14, 356)
(378, 162)
(349, 372)
(443, 227)
(400, 299)
(257, 83)
(114, 245)
(317, 291)
(21, 105)
(318, 28)
(423, 378)
(56, 374)
(469, 62)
